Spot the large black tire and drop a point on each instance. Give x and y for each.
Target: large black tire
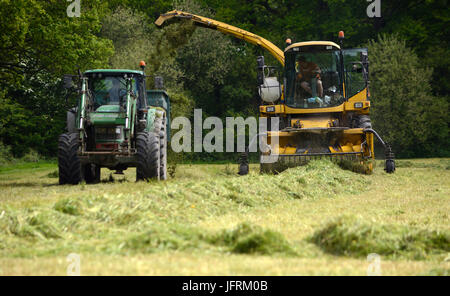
(364, 121)
(389, 166)
(163, 151)
(90, 173)
(68, 161)
(243, 164)
(71, 120)
(148, 163)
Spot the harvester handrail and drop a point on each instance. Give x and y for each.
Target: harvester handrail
(226, 29)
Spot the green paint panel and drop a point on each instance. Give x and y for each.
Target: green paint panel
(107, 118)
(158, 98)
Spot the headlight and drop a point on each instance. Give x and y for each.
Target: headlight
(358, 105)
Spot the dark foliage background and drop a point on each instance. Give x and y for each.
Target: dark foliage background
(408, 50)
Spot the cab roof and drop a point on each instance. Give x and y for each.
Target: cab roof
(309, 43)
(114, 71)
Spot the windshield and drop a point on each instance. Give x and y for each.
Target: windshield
(313, 79)
(109, 90)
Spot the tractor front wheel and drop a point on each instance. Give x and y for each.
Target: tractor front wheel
(148, 156)
(69, 166)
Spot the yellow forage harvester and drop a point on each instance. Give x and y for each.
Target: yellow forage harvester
(322, 107)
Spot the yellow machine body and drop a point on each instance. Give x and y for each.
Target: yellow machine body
(340, 131)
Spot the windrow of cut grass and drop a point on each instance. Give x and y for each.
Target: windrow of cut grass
(245, 238)
(251, 239)
(156, 216)
(350, 236)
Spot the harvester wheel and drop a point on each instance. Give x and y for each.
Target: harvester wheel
(69, 166)
(364, 121)
(243, 164)
(389, 166)
(163, 151)
(389, 156)
(148, 161)
(90, 173)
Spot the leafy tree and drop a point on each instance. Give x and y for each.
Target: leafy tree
(205, 63)
(38, 36)
(424, 25)
(218, 70)
(208, 70)
(135, 38)
(38, 44)
(404, 110)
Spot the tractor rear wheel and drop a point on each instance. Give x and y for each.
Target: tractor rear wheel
(163, 151)
(69, 166)
(148, 156)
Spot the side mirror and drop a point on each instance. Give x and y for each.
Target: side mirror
(68, 82)
(159, 82)
(260, 70)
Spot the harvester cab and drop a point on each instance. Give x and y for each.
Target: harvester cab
(323, 110)
(321, 102)
(115, 125)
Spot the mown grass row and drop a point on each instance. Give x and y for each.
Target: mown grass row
(350, 236)
(165, 216)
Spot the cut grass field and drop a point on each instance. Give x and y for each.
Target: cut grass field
(312, 220)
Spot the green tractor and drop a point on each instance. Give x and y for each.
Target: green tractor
(117, 124)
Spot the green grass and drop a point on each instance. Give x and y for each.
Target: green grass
(353, 237)
(22, 165)
(315, 219)
(404, 163)
(250, 239)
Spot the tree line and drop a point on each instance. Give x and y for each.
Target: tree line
(408, 53)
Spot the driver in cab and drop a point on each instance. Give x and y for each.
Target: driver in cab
(305, 72)
(112, 97)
